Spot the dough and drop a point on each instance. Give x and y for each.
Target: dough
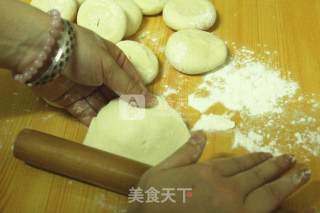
(104, 17)
(195, 51)
(150, 139)
(143, 59)
(134, 16)
(67, 8)
(151, 7)
(189, 14)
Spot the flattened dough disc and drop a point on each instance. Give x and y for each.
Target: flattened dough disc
(151, 138)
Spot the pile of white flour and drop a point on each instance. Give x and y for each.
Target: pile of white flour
(240, 86)
(274, 117)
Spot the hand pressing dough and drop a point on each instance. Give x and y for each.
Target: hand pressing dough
(195, 51)
(150, 140)
(104, 17)
(134, 16)
(151, 7)
(189, 14)
(67, 8)
(143, 59)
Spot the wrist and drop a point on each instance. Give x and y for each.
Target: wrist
(26, 51)
(22, 35)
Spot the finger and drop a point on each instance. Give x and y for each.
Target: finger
(123, 84)
(97, 100)
(83, 111)
(74, 94)
(187, 154)
(234, 165)
(263, 173)
(118, 55)
(270, 196)
(108, 93)
(54, 89)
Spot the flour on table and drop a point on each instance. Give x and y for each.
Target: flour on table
(214, 123)
(254, 88)
(275, 116)
(254, 142)
(169, 91)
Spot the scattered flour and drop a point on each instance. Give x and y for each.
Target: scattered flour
(169, 91)
(254, 88)
(254, 142)
(214, 123)
(273, 117)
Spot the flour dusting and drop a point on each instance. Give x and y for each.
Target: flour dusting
(252, 87)
(275, 116)
(214, 123)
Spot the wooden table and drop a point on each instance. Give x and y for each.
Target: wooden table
(291, 27)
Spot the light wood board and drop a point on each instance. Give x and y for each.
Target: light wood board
(291, 27)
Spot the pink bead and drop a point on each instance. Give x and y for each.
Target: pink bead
(54, 12)
(27, 76)
(19, 78)
(42, 56)
(16, 77)
(33, 70)
(38, 64)
(47, 49)
(56, 23)
(50, 41)
(54, 33)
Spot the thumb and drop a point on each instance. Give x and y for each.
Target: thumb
(188, 153)
(123, 78)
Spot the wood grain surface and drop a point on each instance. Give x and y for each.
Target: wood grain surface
(291, 27)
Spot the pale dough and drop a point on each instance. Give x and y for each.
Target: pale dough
(151, 7)
(67, 8)
(80, 2)
(195, 51)
(150, 140)
(189, 14)
(104, 17)
(143, 59)
(134, 16)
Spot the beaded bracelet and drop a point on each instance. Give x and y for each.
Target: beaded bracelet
(61, 34)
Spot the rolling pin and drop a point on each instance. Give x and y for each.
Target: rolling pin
(78, 161)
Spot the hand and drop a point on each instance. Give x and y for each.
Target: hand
(98, 72)
(255, 183)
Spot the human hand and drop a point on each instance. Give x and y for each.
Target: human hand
(98, 72)
(254, 183)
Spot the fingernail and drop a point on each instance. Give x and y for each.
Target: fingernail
(198, 137)
(301, 176)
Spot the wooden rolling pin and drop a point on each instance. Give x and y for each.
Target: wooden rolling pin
(77, 161)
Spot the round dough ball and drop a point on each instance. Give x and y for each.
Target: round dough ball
(67, 8)
(195, 51)
(149, 138)
(134, 16)
(189, 14)
(143, 59)
(151, 7)
(104, 17)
